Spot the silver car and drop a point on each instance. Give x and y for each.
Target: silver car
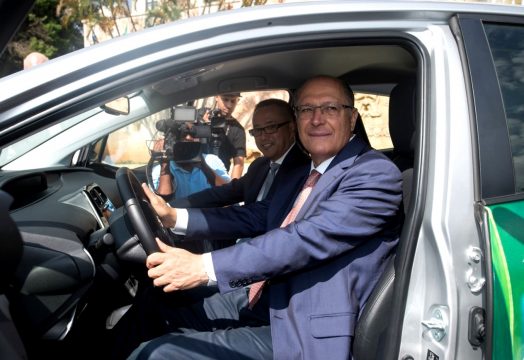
(453, 74)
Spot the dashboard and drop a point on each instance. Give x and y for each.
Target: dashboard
(58, 212)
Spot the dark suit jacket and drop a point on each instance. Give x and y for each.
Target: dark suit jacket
(244, 189)
(324, 265)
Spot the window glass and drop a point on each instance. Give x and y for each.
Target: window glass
(507, 47)
(150, 4)
(374, 111)
(131, 146)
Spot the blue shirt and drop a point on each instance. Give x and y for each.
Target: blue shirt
(187, 182)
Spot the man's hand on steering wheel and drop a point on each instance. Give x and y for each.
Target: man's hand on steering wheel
(166, 213)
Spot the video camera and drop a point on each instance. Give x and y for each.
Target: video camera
(187, 121)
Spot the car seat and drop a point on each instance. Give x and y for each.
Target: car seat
(11, 247)
(373, 324)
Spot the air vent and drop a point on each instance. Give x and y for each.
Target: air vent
(97, 196)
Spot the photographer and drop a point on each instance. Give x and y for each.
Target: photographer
(190, 169)
(233, 143)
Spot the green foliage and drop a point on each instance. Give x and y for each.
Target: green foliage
(44, 32)
(55, 27)
(166, 11)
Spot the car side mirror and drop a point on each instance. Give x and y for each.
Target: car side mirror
(118, 106)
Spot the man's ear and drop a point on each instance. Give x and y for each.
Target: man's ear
(353, 119)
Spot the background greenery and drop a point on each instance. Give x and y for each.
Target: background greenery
(56, 27)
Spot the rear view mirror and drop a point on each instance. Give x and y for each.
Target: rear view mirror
(118, 106)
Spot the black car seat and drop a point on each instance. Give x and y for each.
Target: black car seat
(373, 324)
(11, 247)
(360, 130)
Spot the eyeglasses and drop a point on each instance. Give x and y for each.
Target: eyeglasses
(306, 112)
(270, 129)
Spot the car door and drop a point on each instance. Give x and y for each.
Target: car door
(494, 50)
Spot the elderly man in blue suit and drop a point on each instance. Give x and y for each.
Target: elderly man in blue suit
(321, 266)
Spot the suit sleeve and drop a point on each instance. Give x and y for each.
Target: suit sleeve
(229, 222)
(349, 209)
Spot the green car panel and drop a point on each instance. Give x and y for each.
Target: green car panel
(506, 226)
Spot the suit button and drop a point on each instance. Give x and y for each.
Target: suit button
(232, 283)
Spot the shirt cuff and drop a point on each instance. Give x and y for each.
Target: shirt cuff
(182, 218)
(209, 268)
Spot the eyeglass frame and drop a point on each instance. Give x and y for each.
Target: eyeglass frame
(322, 108)
(263, 130)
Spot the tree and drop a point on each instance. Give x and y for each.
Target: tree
(103, 15)
(55, 27)
(44, 32)
(166, 11)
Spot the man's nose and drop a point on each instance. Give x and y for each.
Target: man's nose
(317, 117)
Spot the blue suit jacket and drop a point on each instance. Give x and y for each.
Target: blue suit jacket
(323, 267)
(244, 189)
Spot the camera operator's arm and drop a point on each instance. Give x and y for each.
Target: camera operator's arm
(213, 165)
(238, 167)
(165, 181)
(165, 185)
(236, 135)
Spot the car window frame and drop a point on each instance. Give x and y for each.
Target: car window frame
(494, 160)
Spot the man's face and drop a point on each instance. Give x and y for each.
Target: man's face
(325, 135)
(227, 104)
(276, 144)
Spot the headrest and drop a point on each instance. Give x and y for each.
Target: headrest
(402, 112)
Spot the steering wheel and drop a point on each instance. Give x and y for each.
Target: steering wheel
(140, 212)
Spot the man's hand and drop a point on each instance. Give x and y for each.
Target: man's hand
(166, 213)
(176, 269)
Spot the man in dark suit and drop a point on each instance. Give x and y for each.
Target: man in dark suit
(322, 266)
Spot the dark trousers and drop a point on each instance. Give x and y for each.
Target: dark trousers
(195, 324)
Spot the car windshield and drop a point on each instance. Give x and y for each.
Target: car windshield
(22, 146)
(54, 145)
